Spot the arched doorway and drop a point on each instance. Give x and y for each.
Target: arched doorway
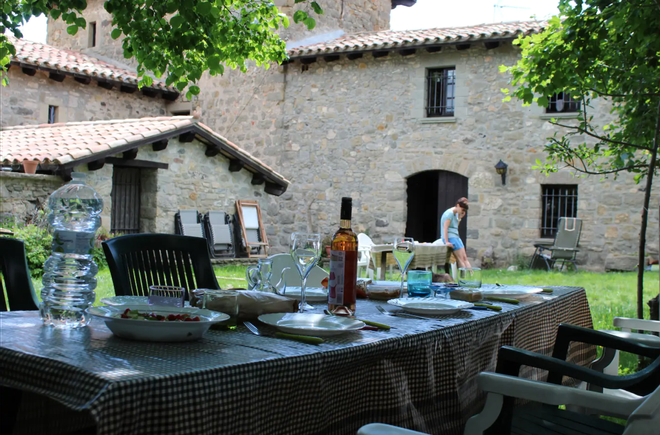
(430, 193)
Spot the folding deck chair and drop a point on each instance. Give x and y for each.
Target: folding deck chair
(252, 231)
(564, 248)
(187, 222)
(218, 227)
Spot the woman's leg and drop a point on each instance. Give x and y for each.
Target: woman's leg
(461, 258)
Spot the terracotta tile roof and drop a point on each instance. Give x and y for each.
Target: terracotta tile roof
(76, 143)
(395, 39)
(40, 55)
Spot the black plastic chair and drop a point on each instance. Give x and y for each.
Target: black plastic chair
(137, 261)
(15, 281)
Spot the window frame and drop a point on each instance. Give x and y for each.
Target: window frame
(91, 35)
(52, 114)
(569, 105)
(566, 205)
(446, 92)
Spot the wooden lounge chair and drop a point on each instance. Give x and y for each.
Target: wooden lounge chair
(254, 239)
(218, 228)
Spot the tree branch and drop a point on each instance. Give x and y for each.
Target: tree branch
(601, 138)
(606, 94)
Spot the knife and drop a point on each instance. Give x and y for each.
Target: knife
(302, 338)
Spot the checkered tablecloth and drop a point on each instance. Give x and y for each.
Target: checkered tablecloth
(421, 374)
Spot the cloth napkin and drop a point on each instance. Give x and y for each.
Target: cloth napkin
(251, 304)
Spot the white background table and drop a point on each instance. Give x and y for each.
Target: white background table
(426, 255)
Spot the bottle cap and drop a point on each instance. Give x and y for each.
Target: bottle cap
(346, 207)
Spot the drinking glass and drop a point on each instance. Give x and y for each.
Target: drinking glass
(469, 277)
(419, 283)
(166, 295)
(403, 251)
(305, 251)
(224, 301)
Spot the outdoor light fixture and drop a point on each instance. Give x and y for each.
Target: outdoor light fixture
(500, 167)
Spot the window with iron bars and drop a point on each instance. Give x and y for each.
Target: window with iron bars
(557, 201)
(563, 102)
(440, 92)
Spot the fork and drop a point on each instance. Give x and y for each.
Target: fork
(407, 315)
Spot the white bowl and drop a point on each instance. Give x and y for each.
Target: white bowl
(146, 330)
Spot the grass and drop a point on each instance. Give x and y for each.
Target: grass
(610, 294)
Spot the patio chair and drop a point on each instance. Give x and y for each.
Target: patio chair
(188, 223)
(564, 247)
(16, 290)
(253, 236)
(291, 276)
(364, 255)
(137, 261)
(217, 225)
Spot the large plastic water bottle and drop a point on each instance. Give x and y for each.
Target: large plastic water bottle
(70, 272)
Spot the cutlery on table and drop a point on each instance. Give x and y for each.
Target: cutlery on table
(302, 338)
(488, 305)
(501, 299)
(406, 315)
(369, 323)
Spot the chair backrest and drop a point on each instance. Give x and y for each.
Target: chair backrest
(291, 276)
(15, 281)
(137, 261)
(189, 216)
(219, 233)
(567, 237)
(364, 240)
(646, 418)
(217, 217)
(251, 228)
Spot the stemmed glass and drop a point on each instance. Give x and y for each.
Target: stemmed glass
(305, 251)
(403, 251)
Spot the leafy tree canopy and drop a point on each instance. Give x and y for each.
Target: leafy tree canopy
(608, 49)
(178, 39)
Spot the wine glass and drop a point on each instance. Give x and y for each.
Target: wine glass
(403, 251)
(305, 251)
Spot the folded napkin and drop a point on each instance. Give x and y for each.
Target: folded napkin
(252, 304)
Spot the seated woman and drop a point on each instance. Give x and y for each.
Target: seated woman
(449, 225)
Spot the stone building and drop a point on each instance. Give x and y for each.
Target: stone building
(405, 122)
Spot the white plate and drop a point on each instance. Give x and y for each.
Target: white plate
(430, 305)
(116, 301)
(312, 294)
(319, 325)
(145, 330)
(519, 293)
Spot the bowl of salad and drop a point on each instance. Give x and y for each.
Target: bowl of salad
(157, 323)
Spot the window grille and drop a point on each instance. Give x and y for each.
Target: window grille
(557, 201)
(563, 102)
(441, 92)
(126, 188)
(52, 114)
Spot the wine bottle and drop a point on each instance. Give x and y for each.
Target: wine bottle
(342, 283)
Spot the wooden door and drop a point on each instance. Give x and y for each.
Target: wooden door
(430, 193)
(125, 200)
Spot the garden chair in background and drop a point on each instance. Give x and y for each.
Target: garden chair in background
(563, 249)
(364, 255)
(137, 261)
(291, 276)
(218, 228)
(188, 222)
(16, 290)
(253, 236)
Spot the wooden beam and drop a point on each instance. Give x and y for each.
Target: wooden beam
(85, 80)
(65, 173)
(382, 53)
(491, 44)
(434, 49)
(58, 77)
(127, 88)
(407, 52)
(29, 71)
(331, 58)
(353, 56)
(274, 189)
(235, 165)
(212, 150)
(96, 165)
(258, 179)
(105, 84)
(149, 92)
(144, 164)
(160, 145)
(307, 60)
(130, 154)
(461, 47)
(186, 137)
(170, 96)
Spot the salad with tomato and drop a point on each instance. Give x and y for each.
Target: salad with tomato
(142, 315)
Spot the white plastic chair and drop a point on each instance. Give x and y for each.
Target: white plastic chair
(291, 276)
(364, 255)
(627, 325)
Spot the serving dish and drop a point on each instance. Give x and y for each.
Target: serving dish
(318, 325)
(431, 305)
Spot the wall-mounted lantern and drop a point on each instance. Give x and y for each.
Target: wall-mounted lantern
(501, 167)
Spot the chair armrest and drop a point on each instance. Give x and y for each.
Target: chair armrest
(386, 429)
(566, 334)
(639, 324)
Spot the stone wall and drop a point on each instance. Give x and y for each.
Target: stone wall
(26, 99)
(21, 193)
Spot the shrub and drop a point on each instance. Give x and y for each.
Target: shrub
(38, 243)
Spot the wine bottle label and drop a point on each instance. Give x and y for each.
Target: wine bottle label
(343, 278)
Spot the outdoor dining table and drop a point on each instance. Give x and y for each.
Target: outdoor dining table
(426, 255)
(421, 374)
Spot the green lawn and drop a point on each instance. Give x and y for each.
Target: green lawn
(610, 294)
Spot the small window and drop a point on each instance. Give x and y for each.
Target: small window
(563, 102)
(92, 34)
(52, 114)
(440, 92)
(557, 201)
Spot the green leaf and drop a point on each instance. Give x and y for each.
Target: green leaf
(317, 8)
(204, 8)
(72, 30)
(116, 33)
(299, 16)
(176, 21)
(55, 13)
(310, 23)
